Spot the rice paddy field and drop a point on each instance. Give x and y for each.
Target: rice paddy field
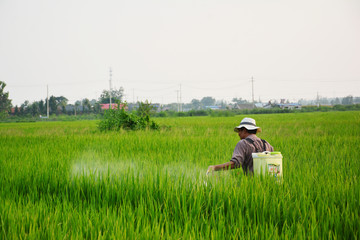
(67, 180)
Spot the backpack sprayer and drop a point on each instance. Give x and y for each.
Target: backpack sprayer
(268, 163)
(264, 163)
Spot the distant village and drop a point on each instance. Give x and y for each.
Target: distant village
(60, 105)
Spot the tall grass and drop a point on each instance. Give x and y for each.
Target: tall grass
(67, 180)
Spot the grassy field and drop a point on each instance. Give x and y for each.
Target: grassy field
(66, 180)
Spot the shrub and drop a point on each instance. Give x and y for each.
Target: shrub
(145, 109)
(222, 113)
(198, 113)
(161, 114)
(181, 114)
(116, 119)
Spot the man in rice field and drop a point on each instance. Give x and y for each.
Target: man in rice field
(249, 143)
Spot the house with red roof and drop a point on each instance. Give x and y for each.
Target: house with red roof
(106, 106)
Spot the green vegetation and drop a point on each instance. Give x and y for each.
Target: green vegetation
(233, 112)
(5, 102)
(117, 119)
(69, 180)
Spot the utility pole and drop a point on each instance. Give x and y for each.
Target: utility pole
(177, 100)
(180, 100)
(110, 72)
(252, 83)
(47, 107)
(133, 96)
(317, 99)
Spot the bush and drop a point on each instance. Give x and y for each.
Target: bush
(181, 114)
(161, 114)
(198, 113)
(116, 119)
(145, 109)
(222, 113)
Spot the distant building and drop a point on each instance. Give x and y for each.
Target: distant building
(289, 106)
(71, 107)
(282, 105)
(106, 106)
(259, 105)
(243, 106)
(213, 107)
(156, 106)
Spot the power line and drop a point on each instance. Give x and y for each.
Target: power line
(242, 82)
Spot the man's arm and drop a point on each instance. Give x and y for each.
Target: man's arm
(235, 162)
(224, 166)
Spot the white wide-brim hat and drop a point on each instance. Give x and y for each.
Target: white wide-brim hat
(249, 124)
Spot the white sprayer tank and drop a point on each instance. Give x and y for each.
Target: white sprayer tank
(268, 163)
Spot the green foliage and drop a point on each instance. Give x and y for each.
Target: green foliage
(162, 114)
(145, 109)
(56, 104)
(53, 118)
(86, 105)
(198, 113)
(207, 101)
(349, 100)
(116, 95)
(116, 119)
(66, 180)
(5, 102)
(222, 113)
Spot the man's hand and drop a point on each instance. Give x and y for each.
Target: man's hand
(225, 166)
(210, 169)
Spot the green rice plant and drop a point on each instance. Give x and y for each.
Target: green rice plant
(69, 180)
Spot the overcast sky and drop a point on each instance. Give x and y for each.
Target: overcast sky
(292, 49)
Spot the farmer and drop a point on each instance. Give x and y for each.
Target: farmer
(248, 144)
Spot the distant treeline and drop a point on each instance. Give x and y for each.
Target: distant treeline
(192, 113)
(229, 113)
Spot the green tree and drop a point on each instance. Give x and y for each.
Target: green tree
(86, 105)
(57, 103)
(52, 104)
(42, 107)
(24, 108)
(34, 108)
(61, 102)
(116, 119)
(77, 104)
(336, 101)
(16, 112)
(145, 109)
(116, 96)
(196, 104)
(207, 101)
(5, 102)
(97, 107)
(349, 100)
(21, 111)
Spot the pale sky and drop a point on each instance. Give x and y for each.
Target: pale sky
(292, 49)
